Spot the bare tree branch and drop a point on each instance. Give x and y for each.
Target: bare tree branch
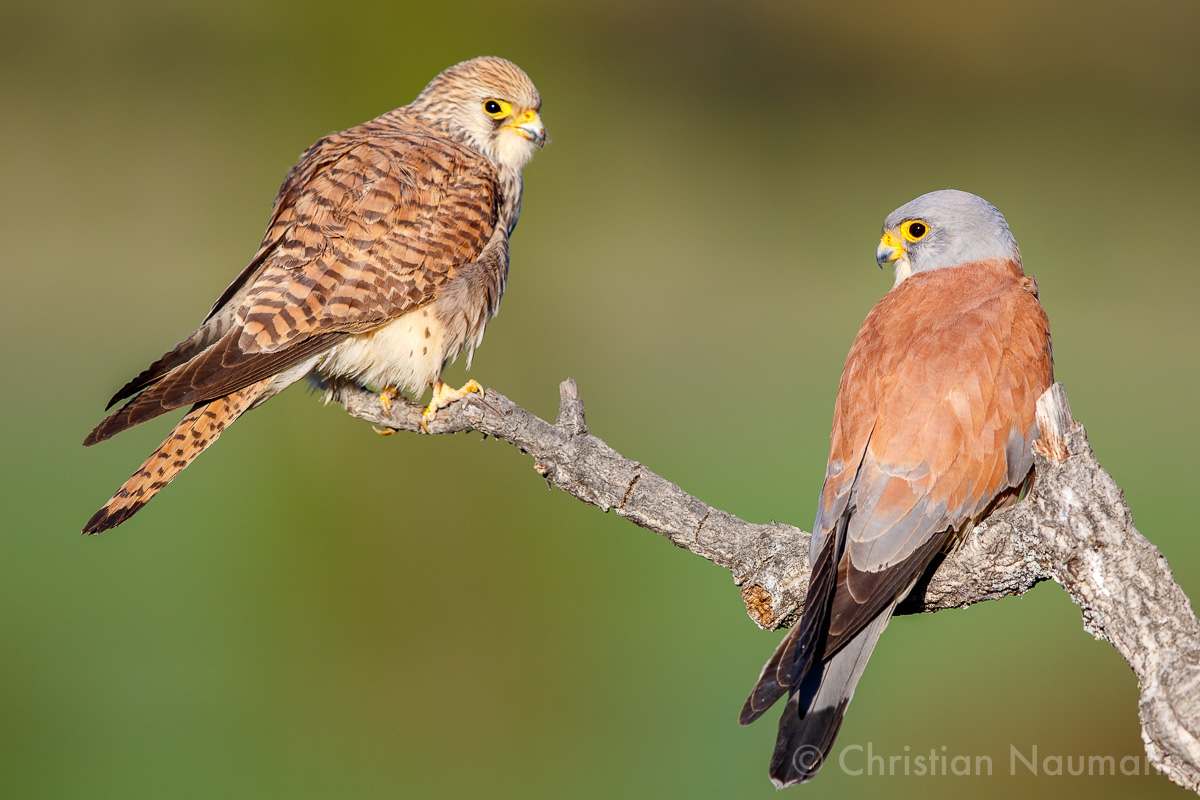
(1073, 528)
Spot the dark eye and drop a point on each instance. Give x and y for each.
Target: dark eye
(914, 230)
(496, 109)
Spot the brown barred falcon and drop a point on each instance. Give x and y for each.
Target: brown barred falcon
(385, 257)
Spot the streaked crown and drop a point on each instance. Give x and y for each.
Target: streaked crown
(490, 105)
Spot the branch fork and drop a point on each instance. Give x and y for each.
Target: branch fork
(1073, 528)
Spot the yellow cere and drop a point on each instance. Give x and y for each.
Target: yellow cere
(496, 109)
(892, 241)
(914, 229)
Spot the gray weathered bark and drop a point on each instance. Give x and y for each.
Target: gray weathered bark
(1073, 528)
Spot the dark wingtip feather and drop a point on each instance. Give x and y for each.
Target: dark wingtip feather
(140, 381)
(97, 435)
(178, 355)
(145, 406)
(109, 427)
(773, 681)
(763, 696)
(749, 713)
(128, 390)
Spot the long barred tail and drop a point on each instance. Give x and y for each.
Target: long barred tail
(191, 436)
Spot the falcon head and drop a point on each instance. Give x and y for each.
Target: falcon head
(488, 104)
(944, 229)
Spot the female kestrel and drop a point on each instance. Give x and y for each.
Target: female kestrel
(385, 256)
(932, 430)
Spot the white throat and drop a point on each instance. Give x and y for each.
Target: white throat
(903, 270)
(513, 150)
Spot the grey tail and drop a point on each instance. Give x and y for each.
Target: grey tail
(813, 714)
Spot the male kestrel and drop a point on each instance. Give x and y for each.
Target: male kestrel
(385, 256)
(932, 430)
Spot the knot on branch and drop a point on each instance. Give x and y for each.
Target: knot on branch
(758, 605)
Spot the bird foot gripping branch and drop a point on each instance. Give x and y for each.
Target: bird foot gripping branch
(388, 395)
(443, 396)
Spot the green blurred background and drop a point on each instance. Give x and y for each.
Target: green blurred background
(314, 611)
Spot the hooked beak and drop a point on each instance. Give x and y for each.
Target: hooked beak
(529, 126)
(891, 248)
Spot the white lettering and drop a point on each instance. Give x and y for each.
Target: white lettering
(842, 759)
(871, 759)
(1014, 755)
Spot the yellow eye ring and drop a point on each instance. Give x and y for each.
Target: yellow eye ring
(914, 230)
(496, 109)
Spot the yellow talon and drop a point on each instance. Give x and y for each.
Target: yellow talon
(443, 396)
(386, 397)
